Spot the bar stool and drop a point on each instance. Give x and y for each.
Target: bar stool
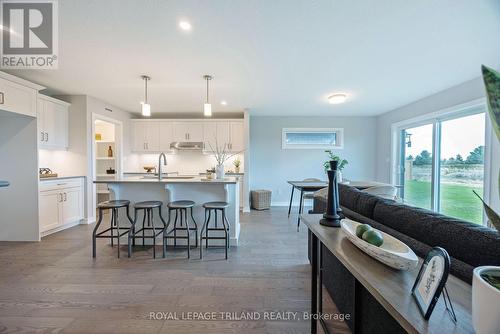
(180, 208)
(147, 208)
(216, 207)
(113, 205)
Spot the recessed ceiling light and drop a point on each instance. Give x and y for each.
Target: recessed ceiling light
(185, 25)
(337, 98)
(224, 103)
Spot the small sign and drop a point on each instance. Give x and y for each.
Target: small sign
(431, 280)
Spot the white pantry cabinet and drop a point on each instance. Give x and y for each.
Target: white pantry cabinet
(60, 204)
(237, 136)
(52, 117)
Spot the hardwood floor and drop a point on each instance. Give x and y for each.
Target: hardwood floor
(56, 287)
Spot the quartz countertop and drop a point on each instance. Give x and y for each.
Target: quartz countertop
(62, 177)
(175, 179)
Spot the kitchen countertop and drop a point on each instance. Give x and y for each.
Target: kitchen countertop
(62, 177)
(176, 173)
(141, 179)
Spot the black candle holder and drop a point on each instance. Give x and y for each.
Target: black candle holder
(333, 213)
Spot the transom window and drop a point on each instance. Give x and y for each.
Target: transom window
(312, 138)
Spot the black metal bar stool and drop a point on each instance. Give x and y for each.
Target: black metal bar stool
(113, 205)
(215, 207)
(180, 208)
(147, 208)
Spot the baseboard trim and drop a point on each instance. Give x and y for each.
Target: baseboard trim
(60, 228)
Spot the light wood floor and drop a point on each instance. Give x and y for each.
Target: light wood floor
(56, 287)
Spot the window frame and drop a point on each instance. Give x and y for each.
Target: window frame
(339, 139)
(436, 118)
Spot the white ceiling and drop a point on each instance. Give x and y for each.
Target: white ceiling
(279, 57)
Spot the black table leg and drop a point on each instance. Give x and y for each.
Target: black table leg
(314, 283)
(290, 205)
(300, 207)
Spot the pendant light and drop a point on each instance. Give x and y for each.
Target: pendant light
(207, 107)
(146, 107)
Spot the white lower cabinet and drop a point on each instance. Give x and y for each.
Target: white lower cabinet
(60, 204)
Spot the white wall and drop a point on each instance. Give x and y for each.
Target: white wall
(19, 166)
(271, 166)
(465, 92)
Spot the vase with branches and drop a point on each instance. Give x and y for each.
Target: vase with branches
(221, 154)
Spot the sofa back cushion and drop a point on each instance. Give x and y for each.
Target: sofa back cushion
(357, 200)
(474, 244)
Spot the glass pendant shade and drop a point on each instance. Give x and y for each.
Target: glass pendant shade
(146, 109)
(207, 109)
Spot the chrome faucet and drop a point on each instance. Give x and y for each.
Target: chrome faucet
(159, 164)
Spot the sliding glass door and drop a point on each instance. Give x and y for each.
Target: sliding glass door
(443, 164)
(462, 167)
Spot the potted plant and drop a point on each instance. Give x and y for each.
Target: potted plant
(341, 164)
(221, 155)
(486, 279)
(210, 173)
(237, 164)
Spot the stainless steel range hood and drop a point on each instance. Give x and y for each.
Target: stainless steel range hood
(187, 146)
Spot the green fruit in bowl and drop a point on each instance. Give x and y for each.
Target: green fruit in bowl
(362, 228)
(373, 237)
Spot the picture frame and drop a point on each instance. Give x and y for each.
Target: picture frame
(431, 280)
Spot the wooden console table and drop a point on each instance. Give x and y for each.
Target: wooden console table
(390, 288)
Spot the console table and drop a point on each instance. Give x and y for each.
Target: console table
(389, 289)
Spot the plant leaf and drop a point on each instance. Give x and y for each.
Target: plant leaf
(491, 80)
(493, 217)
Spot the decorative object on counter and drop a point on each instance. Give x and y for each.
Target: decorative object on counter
(486, 299)
(431, 281)
(98, 136)
(210, 173)
(221, 155)
(392, 252)
(237, 164)
(261, 199)
(149, 169)
(46, 172)
(333, 212)
(110, 152)
(341, 164)
(110, 170)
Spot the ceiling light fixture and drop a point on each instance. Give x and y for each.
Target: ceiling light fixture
(207, 107)
(337, 98)
(224, 103)
(146, 107)
(185, 25)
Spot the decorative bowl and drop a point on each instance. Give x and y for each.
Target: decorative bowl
(392, 252)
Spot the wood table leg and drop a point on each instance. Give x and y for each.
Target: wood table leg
(314, 283)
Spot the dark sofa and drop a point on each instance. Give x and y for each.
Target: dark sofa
(469, 245)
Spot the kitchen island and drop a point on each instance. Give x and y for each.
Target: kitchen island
(173, 188)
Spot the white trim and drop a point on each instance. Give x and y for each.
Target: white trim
(339, 139)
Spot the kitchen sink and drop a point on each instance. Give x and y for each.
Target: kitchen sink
(176, 177)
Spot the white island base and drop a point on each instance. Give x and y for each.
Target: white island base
(138, 189)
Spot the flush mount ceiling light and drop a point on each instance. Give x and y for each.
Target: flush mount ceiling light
(185, 25)
(337, 98)
(207, 107)
(146, 107)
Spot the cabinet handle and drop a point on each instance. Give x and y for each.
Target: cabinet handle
(42, 136)
(147, 146)
(60, 198)
(2, 100)
(46, 136)
(65, 197)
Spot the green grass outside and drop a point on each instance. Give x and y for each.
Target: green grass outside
(457, 200)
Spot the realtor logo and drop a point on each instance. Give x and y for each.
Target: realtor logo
(29, 34)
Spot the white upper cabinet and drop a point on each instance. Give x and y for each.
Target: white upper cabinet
(216, 133)
(166, 135)
(145, 136)
(188, 131)
(237, 136)
(18, 98)
(52, 117)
